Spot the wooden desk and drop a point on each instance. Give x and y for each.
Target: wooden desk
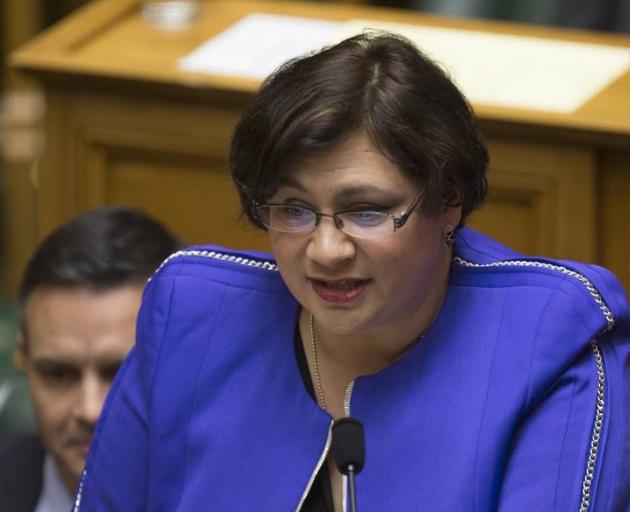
(125, 126)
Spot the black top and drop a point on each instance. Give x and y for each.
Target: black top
(21, 467)
(320, 497)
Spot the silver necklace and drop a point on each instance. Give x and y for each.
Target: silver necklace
(318, 380)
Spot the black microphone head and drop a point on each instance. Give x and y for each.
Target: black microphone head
(348, 444)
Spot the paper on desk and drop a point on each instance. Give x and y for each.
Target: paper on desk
(515, 71)
(258, 43)
(494, 69)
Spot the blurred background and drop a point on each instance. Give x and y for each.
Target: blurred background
(22, 110)
(21, 143)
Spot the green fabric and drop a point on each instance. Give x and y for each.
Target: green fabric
(16, 415)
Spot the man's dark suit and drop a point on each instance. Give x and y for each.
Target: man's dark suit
(21, 466)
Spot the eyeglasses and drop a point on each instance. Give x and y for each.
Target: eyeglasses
(357, 223)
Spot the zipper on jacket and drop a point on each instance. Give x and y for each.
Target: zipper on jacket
(322, 458)
(318, 467)
(77, 498)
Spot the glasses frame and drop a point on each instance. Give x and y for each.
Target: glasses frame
(399, 221)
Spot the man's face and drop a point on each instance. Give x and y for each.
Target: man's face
(73, 344)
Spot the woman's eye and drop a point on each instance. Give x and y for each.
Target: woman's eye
(366, 217)
(291, 216)
(294, 212)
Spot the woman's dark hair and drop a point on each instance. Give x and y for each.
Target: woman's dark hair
(99, 249)
(376, 83)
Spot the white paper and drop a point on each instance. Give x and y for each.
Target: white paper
(257, 44)
(494, 69)
(515, 71)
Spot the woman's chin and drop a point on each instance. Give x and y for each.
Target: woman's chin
(341, 323)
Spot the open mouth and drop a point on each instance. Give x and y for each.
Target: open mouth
(339, 291)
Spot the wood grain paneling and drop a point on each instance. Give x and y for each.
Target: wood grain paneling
(541, 199)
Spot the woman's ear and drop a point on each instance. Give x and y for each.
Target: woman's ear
(452, 215)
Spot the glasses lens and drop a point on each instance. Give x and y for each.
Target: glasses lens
(366, 224)
(288, 218)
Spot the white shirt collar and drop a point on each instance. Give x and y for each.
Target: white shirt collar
(54, 496)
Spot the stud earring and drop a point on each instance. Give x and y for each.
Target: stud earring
(448, 235)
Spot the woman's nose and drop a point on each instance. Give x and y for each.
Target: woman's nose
(328, 245)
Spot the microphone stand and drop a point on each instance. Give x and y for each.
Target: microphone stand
(351, 489)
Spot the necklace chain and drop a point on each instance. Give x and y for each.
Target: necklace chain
(318, 381)
(319, 389)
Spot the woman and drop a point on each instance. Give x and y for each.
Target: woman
(484, 380)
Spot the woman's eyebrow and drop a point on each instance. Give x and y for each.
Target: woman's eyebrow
(346, 194)
(362, 191)
(349, 192)
(287, 181)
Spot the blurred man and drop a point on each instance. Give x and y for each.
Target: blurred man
(79, 297)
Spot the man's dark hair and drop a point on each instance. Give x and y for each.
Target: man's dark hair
(99, 249)
(375, 83)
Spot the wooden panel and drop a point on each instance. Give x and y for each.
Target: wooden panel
(19, 21)
(512, 213)
(541, 199)
(19, 230)
(192, 195)
(169, 159)
(88, 133)
(57, 185)
(614, 214)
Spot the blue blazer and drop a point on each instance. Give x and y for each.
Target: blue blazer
(516, 399)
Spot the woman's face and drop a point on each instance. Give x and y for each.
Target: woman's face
(358, 285)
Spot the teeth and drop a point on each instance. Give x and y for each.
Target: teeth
(342, 285)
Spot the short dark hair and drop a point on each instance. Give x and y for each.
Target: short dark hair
(99, 249)
(377, 83)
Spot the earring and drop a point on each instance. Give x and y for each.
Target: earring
(448, 235)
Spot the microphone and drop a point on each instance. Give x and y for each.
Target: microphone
(348, 444)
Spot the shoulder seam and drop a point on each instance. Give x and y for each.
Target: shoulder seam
(582, 279)
(219, 256)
